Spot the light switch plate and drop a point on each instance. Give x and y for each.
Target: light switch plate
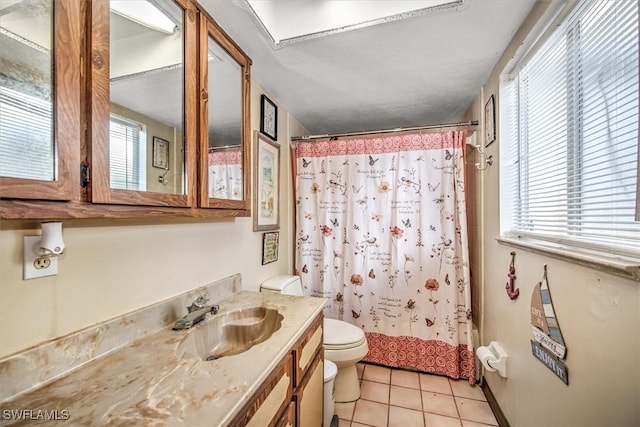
(30, 256)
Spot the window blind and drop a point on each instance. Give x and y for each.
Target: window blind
(26, 136)
(570, 134)
(127, 154)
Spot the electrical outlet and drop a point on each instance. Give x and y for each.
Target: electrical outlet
(42, 263)
(34, 265)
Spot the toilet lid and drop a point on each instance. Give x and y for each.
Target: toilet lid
(339, 333)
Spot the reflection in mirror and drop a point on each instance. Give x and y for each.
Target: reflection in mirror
(147, 93)
(225, 124)
(225, 173)
(26, 90)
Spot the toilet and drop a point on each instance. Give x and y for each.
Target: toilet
(344, 344)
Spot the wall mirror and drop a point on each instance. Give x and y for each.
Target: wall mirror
(27, 91)
(39, 98)
(146, 76)
(225, 124)
(145, 129)
(224, 76)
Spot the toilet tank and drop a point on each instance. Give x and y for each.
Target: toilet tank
(283, 284)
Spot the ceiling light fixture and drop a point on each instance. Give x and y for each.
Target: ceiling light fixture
(144, 13)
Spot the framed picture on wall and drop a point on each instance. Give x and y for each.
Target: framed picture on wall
(266, 194)
(268, 118)
(160, 153)
(270, 243)
(490, 121)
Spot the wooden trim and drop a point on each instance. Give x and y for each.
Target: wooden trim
(298, 347)
(203, 147)
(223, 33)
(288, 419)
(14, 209)
(98, 101)
(253, 403)
(493, 403)
(67, 50)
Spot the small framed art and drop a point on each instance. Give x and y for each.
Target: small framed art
(266, 194)
(270, 242)
(160, 153)
(268, 118)
(489, 122)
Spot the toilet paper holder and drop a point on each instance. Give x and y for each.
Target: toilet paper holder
(493, 358)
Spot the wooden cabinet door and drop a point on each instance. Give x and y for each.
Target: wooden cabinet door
(306, 348)
(310, 395)
(43, 122)
(267, 405)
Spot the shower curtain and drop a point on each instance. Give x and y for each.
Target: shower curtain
(225, 173)
(381, 232)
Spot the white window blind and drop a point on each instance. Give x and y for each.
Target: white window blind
(569, 134)
(26, 136)
(127, 154)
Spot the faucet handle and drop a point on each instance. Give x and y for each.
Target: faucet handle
(199, 302)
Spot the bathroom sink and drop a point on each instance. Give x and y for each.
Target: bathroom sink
(230, 333)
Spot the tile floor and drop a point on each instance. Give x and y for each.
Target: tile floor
(396, 397)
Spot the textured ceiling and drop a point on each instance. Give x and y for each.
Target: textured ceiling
(417, 71)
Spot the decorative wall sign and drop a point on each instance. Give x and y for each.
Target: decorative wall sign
(270, 245)
(549, 346)
(489, 122)
(550, 361)
(268, 118)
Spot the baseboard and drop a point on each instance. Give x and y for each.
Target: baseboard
(493, 403)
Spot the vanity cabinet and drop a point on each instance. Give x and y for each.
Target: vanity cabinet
(292, 394)
(163, 92)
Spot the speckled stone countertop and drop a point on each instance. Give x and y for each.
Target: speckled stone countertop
(148, 383)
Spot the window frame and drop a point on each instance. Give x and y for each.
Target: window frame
(619, 261)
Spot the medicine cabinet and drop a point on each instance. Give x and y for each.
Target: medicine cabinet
(133, 114)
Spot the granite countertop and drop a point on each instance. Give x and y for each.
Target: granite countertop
(147, 383)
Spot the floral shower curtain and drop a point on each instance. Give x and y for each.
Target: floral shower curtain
(381, 232)
(225, 174)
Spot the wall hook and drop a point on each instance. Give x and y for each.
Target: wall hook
(511, 284)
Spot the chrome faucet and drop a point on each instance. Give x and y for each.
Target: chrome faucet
(197, 312)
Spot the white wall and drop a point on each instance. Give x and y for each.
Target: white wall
(599, 315)
(114, 267)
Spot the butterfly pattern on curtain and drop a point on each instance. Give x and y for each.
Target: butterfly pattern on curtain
(381, 233)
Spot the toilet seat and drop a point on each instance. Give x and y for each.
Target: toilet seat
(339, 335)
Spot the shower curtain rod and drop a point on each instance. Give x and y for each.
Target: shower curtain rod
(373, 132)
